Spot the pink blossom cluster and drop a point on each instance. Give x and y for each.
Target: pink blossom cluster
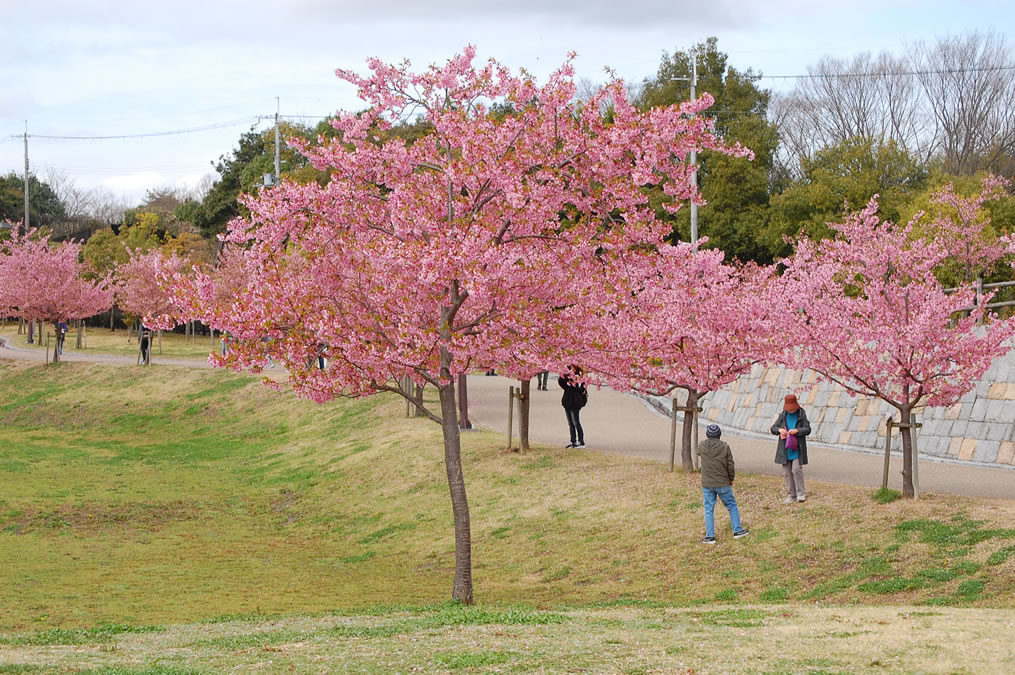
(866, 310)
(43, 282)
(491, 240)
(140, 291)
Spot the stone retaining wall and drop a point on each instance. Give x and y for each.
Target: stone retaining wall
(979, 428)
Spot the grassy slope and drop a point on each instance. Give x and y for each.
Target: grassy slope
(137, 497)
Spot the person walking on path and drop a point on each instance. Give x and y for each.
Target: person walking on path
(717, 474)
(792, 428)
(541, 378)
(574, 399)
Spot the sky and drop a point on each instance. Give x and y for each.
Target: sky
(216, 68)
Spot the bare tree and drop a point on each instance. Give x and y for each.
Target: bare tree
(969, 86)
(873, 98)
(77, 203)
(108, 207)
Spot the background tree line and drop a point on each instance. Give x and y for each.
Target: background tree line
(900, 126)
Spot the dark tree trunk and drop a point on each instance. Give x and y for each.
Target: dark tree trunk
(686, 456)
(906, 418)
(81, 334)
(31, 333)
(523, 415)
(463, 402)
(462, 588)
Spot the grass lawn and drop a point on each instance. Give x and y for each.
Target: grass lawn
(160, 519)
(119, 343)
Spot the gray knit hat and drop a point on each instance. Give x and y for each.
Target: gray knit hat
(713, 431)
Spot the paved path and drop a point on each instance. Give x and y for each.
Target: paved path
(624, 424)
(627, 425)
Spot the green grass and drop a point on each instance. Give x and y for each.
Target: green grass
(150, 497)
(886, 495)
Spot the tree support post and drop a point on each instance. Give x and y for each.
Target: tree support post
(673, 433)
(511, 413)
(463, 402)
(888, 451)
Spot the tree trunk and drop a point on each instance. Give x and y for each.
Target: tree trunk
(906, 418)
(462, 588)
(686, 451)
(463, 402)
(31, 333)
(112, 318)
(81, 330)
(523, 415)
(417, 401)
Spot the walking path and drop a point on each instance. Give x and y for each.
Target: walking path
(624, 424)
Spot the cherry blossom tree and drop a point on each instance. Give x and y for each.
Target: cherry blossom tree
(42, 283)
(486, 242)
(697, 324)
(866, 311)
(139, 291)
(961, 226)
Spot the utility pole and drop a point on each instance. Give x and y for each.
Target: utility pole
(278, 170)
(26, 177)
(694, 153)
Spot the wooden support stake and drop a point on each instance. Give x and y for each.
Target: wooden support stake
(511, 412)
(916, 455)
(888, 452)
(673, 432)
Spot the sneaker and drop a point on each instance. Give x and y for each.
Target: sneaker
(788, 500)
(708, 540)
(571, 445)
(741, 533)
(580, 444)
(802, 498)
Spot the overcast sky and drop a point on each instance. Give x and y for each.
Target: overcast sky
(105, 68)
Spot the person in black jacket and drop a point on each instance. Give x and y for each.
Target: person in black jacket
(574, 399)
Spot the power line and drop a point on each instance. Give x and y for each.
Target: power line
(173, 132)
(943, 71)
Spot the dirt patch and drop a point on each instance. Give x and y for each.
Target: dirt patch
(94, 517)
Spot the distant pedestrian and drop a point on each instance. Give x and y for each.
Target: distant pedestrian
(541, 379)
(792, 427)
(61, 335)
(146, 346)
(574, 399)
(717, 474)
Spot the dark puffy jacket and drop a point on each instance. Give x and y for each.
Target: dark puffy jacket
(717, 469)
(575, 396)
(803, 426)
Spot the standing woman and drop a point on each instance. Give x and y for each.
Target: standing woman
(792, 428)
(574, 399)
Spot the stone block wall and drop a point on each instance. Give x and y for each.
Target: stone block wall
(979, 428)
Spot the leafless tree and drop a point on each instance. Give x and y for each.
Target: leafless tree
(108, 207)
(869, 97)
(77, 203)
(954, 100)
(969, 86)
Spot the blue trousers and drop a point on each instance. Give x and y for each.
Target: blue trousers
(709, 496)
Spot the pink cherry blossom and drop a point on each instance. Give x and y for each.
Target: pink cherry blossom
(490, 241)
(866, 311)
